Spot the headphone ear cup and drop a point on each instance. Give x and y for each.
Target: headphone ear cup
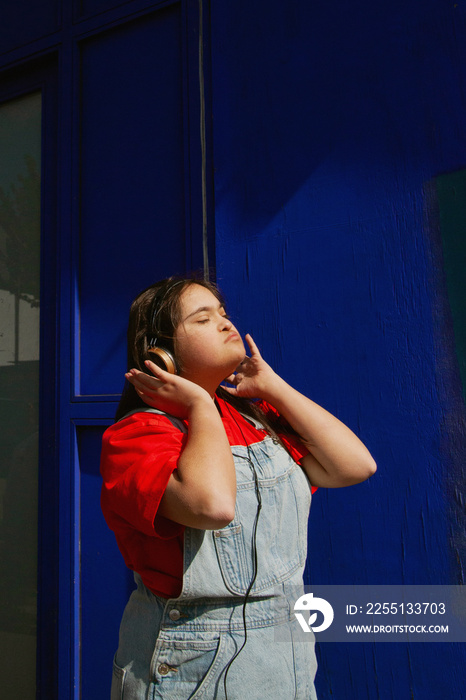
(163, 359)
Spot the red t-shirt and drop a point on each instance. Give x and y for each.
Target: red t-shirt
(139, 453)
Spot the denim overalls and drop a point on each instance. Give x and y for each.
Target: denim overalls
(179, 648)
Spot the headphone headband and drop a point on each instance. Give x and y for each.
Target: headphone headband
(156, 304)
(161, 356)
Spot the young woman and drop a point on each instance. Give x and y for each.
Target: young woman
(208, 493)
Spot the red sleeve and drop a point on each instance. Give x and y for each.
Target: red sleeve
(294, 445)
(139, 454)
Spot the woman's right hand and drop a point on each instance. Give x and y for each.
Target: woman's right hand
(167, 392)
(201, 492)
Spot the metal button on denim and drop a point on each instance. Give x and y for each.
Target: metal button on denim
(174, 615)
(164, 669)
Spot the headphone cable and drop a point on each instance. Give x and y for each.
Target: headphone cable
(254, 547)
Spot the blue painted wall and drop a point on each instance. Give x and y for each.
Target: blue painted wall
(332, 123)
(338, 152)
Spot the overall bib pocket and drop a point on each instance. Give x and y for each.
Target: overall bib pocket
(281, 538)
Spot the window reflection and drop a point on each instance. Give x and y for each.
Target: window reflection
(20, 142)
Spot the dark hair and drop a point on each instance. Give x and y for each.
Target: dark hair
(156, 312)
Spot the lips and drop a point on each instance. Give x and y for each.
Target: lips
(232, 336)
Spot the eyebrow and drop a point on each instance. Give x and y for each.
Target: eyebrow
(204, 308)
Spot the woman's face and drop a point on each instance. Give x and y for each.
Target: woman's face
(207, 345)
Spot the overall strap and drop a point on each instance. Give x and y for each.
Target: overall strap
(176, 422)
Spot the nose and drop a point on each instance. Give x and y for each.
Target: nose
(225, 324)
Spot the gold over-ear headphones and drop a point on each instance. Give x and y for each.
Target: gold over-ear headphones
(163, 359)
(158, 354)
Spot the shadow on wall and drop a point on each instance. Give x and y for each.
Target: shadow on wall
(368, 96)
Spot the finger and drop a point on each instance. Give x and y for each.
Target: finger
(132, 372)
(135, 376)
(149, 381)
(156, 370)
(231, 390)
(138, 386)
(143, 376)
(132, 376)
(252, 346)
(242, 364)
(144, 382)
(143, 390)
(231, 379)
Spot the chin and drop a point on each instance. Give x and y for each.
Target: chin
(240, 355)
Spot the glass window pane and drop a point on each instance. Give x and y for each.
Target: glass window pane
(20, 167)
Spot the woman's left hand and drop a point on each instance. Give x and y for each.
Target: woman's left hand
(336, 456)
(253, 377)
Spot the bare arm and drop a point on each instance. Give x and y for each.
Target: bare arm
(201, 492)
(336, 456)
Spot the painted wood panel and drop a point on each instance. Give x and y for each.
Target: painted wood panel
(132, 183)
(329, 123)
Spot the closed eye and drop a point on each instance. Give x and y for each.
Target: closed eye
(197, 317)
